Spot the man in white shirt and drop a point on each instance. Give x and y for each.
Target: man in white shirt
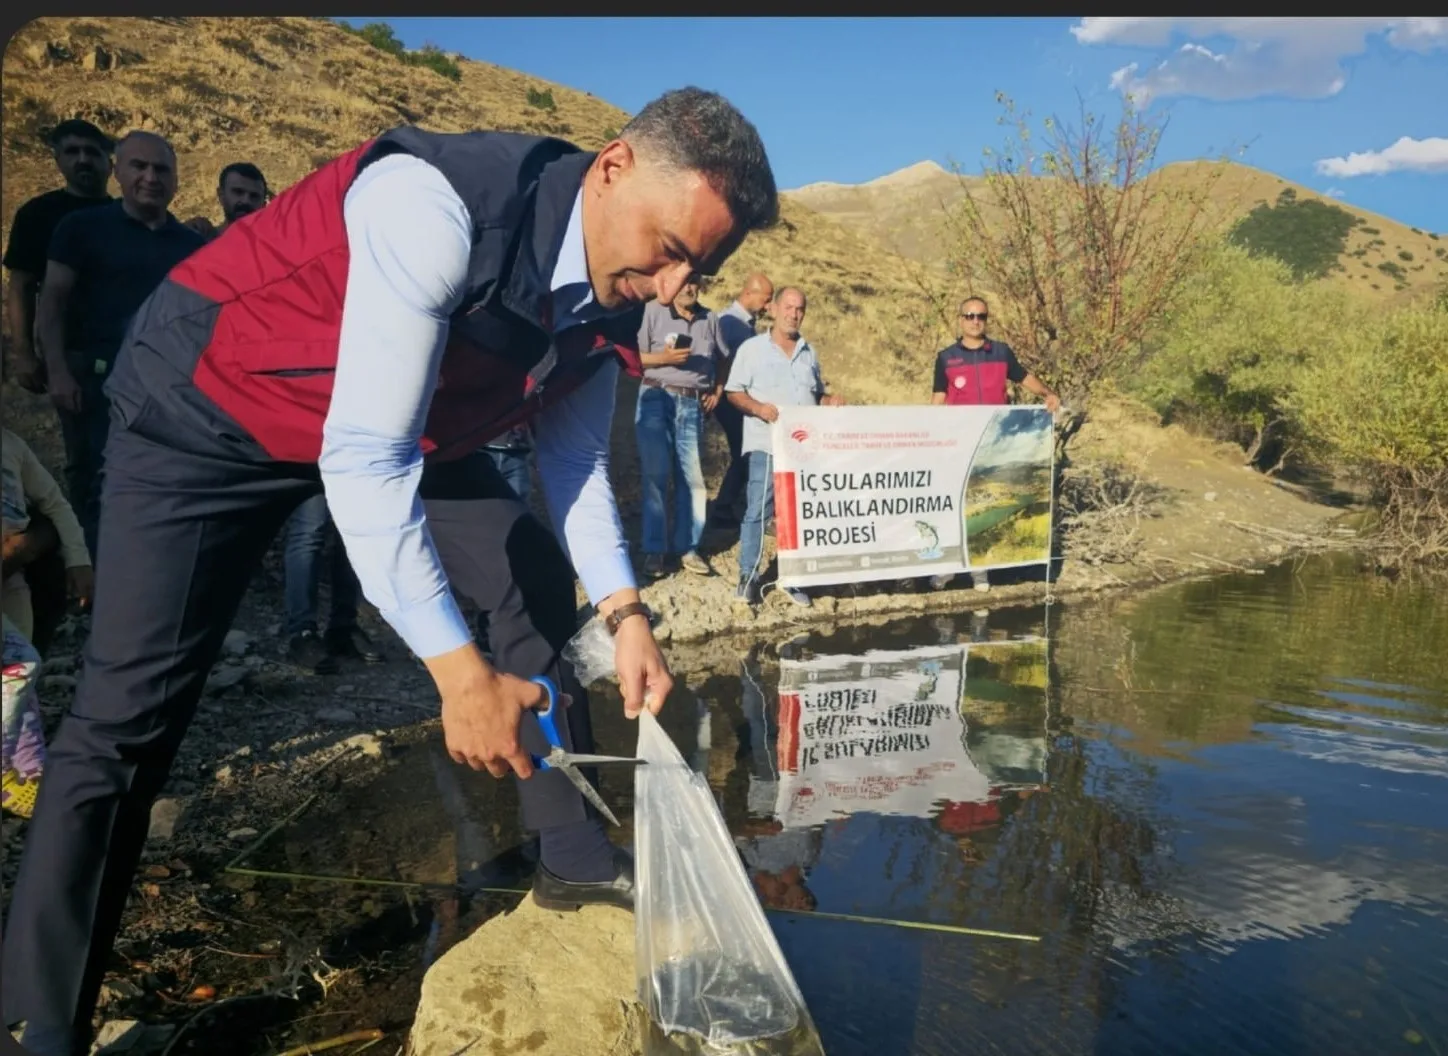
(435, 291)
(770, 371)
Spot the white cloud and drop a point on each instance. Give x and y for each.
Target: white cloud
(1295, 57)
(1407, 154)
(1334, 192)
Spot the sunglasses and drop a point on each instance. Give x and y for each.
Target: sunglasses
(972, 316)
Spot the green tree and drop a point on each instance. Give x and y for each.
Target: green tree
(1232, 347)
(1376, 401)
(1309, 237)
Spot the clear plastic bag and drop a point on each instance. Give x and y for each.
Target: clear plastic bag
(590, 653)
(710, 974)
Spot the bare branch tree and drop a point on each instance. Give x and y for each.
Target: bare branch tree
(1083, 245)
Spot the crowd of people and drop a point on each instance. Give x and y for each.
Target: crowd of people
(472, 298)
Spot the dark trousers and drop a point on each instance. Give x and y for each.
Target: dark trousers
(512, 465)
(731, 420)
(45, 576)
(84, 435)
(185, 523)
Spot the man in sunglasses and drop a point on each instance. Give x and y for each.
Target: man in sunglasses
(975, 370)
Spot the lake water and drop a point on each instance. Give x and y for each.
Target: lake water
(1222, 806)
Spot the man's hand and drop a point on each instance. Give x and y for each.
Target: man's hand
(21, 548)
(28, 371)
(643, 674)
(668, 356)
(710, 399)
(481, 709)
(81, 582)
(832, 401)
(1053, 402)
(64, 392)
(15, 556)
(767, 411)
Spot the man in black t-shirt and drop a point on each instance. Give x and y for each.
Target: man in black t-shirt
(102, 265)
(83, 155)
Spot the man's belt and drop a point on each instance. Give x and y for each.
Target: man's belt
(675, 390)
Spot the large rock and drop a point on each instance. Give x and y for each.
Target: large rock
(537, 982)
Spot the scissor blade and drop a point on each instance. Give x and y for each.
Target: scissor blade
(594, 760)
(589, 792)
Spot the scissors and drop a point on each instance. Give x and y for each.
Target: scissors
(559, 759)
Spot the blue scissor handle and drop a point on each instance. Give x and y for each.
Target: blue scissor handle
(547, 719)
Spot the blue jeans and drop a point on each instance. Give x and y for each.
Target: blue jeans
(512, 462)
(667, 428)
(307, 533)
(759, 508)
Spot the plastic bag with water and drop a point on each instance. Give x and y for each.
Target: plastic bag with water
(711, 976)
(710, 973)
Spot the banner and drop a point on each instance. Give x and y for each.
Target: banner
(864, 493)
(902, 732)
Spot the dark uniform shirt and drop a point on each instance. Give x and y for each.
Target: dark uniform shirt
(118, 262)
(977, 375)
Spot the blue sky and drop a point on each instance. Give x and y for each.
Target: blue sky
(1344, 106)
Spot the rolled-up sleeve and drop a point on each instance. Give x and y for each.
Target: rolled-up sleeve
(409, 239)
(571, 440)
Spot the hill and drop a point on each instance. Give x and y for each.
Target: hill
(290, 93)
(1380, 257)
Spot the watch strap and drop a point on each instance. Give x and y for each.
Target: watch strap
(623, 612)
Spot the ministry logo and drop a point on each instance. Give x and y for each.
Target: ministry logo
(804, 443)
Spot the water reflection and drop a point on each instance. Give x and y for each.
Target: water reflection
(1228, 834)
(1220, 805)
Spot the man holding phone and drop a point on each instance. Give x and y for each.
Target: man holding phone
(680, 351)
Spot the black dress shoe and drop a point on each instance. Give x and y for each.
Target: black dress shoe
(307, 651)
(552, 892)
(353, 642)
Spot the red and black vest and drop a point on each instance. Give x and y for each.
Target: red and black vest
(253, 318)
(975, 375)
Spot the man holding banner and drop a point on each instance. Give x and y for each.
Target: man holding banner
(773, 370)
(974, 371)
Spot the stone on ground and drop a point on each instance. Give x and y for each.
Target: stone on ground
(537, 982)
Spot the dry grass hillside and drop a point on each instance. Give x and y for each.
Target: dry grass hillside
(290, 93)
(1382, 258)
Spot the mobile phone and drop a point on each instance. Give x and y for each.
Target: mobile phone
(680, 341)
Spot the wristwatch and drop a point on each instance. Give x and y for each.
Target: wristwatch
(623, 612)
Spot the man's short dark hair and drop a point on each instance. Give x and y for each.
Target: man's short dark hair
(78, 128)
(973, 299)
(702, 132)
(245, 169)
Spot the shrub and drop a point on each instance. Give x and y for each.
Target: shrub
(1393, 268)
(1371, 231)
(1233, 346)
(381, 37)
(1308, 237)
(435, 59)
(1403, 254)
(1377, 401)
(542, 100)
